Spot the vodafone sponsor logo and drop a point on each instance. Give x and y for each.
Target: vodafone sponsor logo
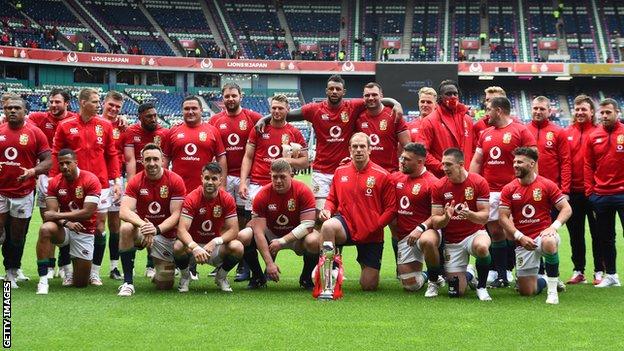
(335, 133)
(154, 208)
(190, 150)
(233, 139)
(73, 206)
(206, 227)
(273, 151)
(404, 203)
(495, 154)
(528, 211)
(282, 220)
(374, 139)
(10, 153)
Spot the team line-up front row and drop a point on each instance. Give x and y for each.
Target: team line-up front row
(186, 215)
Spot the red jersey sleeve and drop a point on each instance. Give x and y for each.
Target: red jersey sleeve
(166, 142)
(52, 187)
(400, 125)
(505, 200)
(131, 188)
(589, 167)
(259, 204)
(219, 148)
(189, 206)
(358, 105)
(526, 138)
(93, 187)
(555, 193)
(42, 141)
(112, 159)
(57, 145)
(389, 203)
(482, 191)
(563, 149)
(425, 136)
(299, 139)
(436, 195)
(306, 200)
(253, 137)
(255, 116)
(308, 110)
(229, 205)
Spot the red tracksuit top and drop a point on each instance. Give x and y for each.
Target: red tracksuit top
(577, 134)
(554, 153)
(604, 160)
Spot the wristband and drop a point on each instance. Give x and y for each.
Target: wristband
(518, 235)
(281, 241)
(198, 247)
(218, 241)
(556, 225)
(192, 245)
(158, 232)
(422, 227)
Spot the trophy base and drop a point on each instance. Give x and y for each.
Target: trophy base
(326, 296)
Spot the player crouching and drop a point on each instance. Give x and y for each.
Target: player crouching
(208, 229)
(526, 204)
(70, 219)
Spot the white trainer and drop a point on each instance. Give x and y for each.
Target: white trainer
(20, 276)
(68, 279)
(185, 280)
(194, 276)
(552, 298)
(11, 275)
(492, 276)
(95, 279)
(510, 276)
(50, 273)
(221, 280)
(150, 272)
(126, 290)
(609, 280)
(42, 289)
(432, 289)
(483, 294)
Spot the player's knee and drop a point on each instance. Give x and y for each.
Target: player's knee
(46, 230)
(311, 243)
(245, 236)
(165, 271)
(549, 245)
(236, 248)
(178, 248)
(481, 250)
(413, 281)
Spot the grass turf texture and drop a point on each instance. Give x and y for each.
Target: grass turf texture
(284, 317)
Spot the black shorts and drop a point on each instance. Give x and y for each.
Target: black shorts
(368, 254)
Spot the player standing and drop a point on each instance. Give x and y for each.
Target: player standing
(426, 104)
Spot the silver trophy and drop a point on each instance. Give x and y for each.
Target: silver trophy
(327, 279)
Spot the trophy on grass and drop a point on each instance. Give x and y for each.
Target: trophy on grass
(328, 274)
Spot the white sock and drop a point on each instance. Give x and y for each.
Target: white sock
(551, 283)
(67, 268)
(43, 280)
(113, 264)
(185, 273)
(95, 269)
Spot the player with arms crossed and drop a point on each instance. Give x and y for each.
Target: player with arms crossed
(70, 219)
(151, 209)
(526, 205)
(460, 207)
(208, 229)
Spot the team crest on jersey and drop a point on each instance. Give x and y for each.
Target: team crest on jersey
(164, 191)
(203, 136)
(217, 212)
(242, 125)
(507, 138)
(383, 125)
(99, 131)
(116, 133)
(285, 139)
(157, 140)
(23, 139)
(620, 139)
(344, 116)
(550, 136)
(416, 189)
(370, 182)
(79, 192)
(537, 194)
(469, 193)
(291, 205)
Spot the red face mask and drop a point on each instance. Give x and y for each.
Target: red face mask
(451, 101)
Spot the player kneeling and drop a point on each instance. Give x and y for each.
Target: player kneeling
(526, 204)
(151, 209)
(460, 206)
(208, 229)
(70, 219)
(282, 218)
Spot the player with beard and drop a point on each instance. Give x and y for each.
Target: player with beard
(234, 125)
(583, 125)
(147, 131)
(484, 123)
(334, 122)
(604, 182)
(525, 210)
(208, 229)
(91, 138)
(58, 105)
(24, 154)
(426, 104)
(494, 160)
(69, 220)
(151, 209)
(417, 243)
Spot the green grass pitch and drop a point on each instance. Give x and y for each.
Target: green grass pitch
(284, 317)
